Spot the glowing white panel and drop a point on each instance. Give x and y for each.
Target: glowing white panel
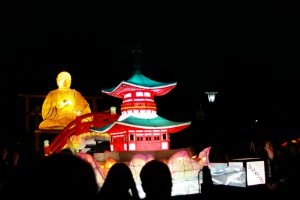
(147, 94)
(144, 115)
(139, 94)
(125, 147)
(164, 145)
(131, 147)
(254, 168)
(255, 172)
(127, 95)
(112, 147)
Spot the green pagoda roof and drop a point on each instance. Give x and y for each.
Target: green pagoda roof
(141, 123)
(137, 82)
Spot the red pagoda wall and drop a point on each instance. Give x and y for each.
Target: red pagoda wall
(140, 142)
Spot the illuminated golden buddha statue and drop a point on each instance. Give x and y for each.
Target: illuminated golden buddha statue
(61, 106)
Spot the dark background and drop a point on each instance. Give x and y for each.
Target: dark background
(249, 53)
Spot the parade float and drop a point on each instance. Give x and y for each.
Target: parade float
(139, 135)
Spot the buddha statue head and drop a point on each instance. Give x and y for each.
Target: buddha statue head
(64, 80)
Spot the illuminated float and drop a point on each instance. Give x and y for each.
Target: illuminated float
(140, 135)
(138, 131)
(139, 128)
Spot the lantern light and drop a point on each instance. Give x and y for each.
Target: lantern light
(211, 96)
(113, 110)
(46, 143)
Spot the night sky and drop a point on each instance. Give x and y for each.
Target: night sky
(248, 53)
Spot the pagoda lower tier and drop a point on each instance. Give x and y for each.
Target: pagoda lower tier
(140, 134)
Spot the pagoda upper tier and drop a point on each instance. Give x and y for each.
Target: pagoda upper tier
(138, 95)
(139, 82)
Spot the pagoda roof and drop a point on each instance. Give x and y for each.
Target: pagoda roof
(137, 82)
(140, 123)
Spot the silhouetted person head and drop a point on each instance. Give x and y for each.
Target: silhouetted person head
(207, 184)
(119, 181)
(156, 180)
(61, 176)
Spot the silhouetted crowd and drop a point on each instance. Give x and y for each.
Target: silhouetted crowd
(66, 176)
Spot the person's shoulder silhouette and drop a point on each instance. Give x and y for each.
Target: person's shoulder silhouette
(119, 181)
(156, 180)
(61, 176)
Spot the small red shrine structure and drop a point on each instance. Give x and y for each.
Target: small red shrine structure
(139, 128)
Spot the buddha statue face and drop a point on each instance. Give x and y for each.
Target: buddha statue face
(63, 80)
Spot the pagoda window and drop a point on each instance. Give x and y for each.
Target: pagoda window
(139, 94)
(156, 137)
(164, 136)
(132, 147)
(139, 138)
(127, 95)
(147, 94)
(131, 137)
(164, 145)
(148, 138)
